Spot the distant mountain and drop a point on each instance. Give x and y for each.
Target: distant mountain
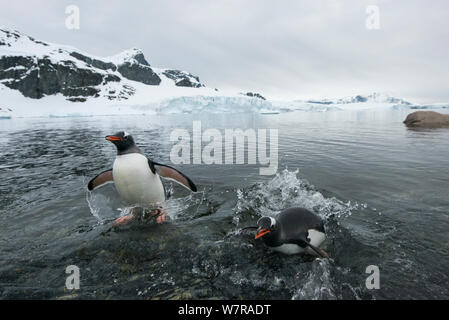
(38, 69)
(44, 79)
(375, 97)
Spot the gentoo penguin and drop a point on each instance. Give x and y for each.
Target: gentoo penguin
(293, 231)
(137, 178)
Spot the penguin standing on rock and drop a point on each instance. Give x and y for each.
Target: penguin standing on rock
(293, 231)
(137, 178)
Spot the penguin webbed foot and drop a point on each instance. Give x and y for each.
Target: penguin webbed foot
(160, 214)
(123, 220)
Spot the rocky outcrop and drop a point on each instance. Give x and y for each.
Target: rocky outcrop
(183, 78)
(427, 119)
(254, 95)
(139, 73)
(94, 62)
(35, 78)
(38, 69)
(140, 58)
(132, 65)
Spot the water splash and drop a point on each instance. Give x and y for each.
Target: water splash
(102, 204)
(286, 190)
(180, 208)
(93, 209)
(317, 284)
(321, 278)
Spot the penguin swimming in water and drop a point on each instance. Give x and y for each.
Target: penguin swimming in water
(294, 230)
(137, 178)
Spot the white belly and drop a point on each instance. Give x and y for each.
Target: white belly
(135, 182)
(289, 248)
(316, 239)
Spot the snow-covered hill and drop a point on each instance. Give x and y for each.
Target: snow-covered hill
(375, 97)
(38, 69)
(44, 79)
(38, 78)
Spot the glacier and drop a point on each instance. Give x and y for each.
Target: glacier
(127, 84)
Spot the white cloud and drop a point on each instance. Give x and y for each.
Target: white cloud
(280, 48)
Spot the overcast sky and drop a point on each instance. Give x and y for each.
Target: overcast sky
(292, 49)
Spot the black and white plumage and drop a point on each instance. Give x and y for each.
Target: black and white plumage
(294, 230)
(137, 178)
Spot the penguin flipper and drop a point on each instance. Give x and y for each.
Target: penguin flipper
(318, 251)
(170, 173)
(303, 243)
(102, 179)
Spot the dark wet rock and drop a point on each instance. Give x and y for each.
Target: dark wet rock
(183, 78)
(77, 99)
(140, 58)
(186, 83)
(36, 78)
(255, 95)
(139, 72)
(427, 119)
(16, 35)
(72, 296)
(180, 295)
(94, 62)
(111, 78)
(75, 75)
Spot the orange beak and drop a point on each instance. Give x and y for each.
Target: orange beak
(261, 233)
(113, 138)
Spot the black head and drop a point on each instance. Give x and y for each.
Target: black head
(124, 142)
(267, 228)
